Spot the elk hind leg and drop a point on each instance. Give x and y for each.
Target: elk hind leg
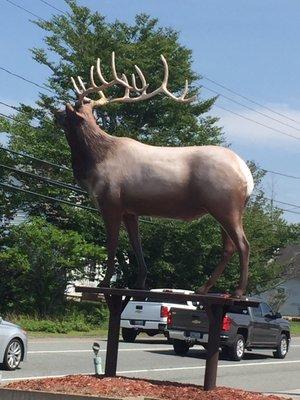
(112, 223)
(132, 227)
(228, 250)
(238, 237)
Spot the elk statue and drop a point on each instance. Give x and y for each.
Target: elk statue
(128, 179)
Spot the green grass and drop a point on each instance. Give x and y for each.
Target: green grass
(92, 333)
(295, 328)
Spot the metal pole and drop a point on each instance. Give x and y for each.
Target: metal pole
(215, 314)
(114, 303)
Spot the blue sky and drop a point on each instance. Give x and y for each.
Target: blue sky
(250, 47)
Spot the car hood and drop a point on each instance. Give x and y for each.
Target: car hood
(10, 324)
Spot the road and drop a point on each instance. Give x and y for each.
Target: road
(155, 359)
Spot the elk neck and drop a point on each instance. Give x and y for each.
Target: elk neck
(90, 145)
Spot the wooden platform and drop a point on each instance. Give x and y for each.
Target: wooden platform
(215, 305)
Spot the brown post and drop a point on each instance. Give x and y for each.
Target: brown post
(114, 303)
(215, 314)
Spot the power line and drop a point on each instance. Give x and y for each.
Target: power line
(250, 108)
(25, 9)
(43, 178)
(287, 204)
(258, 123)
(280, 173)
(35, 159)
(25, 79)
(11, 187)
(34, 127)
(248, 99)
(50, 5)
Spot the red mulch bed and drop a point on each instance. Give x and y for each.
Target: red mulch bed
(125, 387)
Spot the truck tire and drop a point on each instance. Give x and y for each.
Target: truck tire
(282, 347)
(129, 335)
(237, 350)
(181, 347)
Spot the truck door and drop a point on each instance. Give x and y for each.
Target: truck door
(272, 328)
(260, 326)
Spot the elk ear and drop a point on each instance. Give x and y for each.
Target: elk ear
(60, 118)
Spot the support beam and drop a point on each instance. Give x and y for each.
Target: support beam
(215, 313)
(114, 303)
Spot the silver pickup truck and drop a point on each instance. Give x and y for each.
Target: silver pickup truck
(244, 328)
(150, 315)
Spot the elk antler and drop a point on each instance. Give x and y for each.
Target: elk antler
(140, 93)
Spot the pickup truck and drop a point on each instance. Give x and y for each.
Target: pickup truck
(244, 328)
(150, 315)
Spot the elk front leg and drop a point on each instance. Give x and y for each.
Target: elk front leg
(228, 250)
(132, 227)
(112, 221)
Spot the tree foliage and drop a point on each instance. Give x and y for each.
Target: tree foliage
(37, 261)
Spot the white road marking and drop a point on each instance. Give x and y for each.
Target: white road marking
(90, 351)
(203, 366)
(161, 369)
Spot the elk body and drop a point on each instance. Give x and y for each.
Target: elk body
(128, 179)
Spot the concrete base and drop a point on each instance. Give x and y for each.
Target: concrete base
(13, 394)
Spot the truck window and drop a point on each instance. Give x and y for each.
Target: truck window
(266, 309)
(256, 311)
(238, 310)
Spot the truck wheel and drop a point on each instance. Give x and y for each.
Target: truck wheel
(237, 350)
(181, 347)
(129, 335)
(282, 347)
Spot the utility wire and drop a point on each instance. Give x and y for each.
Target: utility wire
(43, 178)
(249, 108)
(248, 99)
(78, 190)
(258, 123)
(52, 6)
(21, 154)
(11, 187)
(35, 159)
(25, 9)
(280, 173)
(26, 80)
(282, 202)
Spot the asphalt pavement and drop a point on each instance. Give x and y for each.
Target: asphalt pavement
(155, 359)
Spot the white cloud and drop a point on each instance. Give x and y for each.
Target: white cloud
(243, 131)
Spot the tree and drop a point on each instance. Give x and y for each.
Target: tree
(178, 254)
(37, 262)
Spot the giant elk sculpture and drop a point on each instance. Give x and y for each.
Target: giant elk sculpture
(128, 179)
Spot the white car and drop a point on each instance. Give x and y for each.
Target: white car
(150, 315)
(13, 345)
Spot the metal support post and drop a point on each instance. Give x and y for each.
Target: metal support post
(215, 314)
(114, 303)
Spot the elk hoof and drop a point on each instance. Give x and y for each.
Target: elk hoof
(104, 283)
(140, 285)
(202, 290)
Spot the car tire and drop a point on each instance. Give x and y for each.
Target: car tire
(282, 348)
(180, 347)
(13, 355)
(129, 335)
(237, 350)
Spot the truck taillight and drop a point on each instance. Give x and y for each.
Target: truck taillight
(170, 319)
(226, 323)
(164, 311)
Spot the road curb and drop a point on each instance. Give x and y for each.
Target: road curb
(14, 394)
